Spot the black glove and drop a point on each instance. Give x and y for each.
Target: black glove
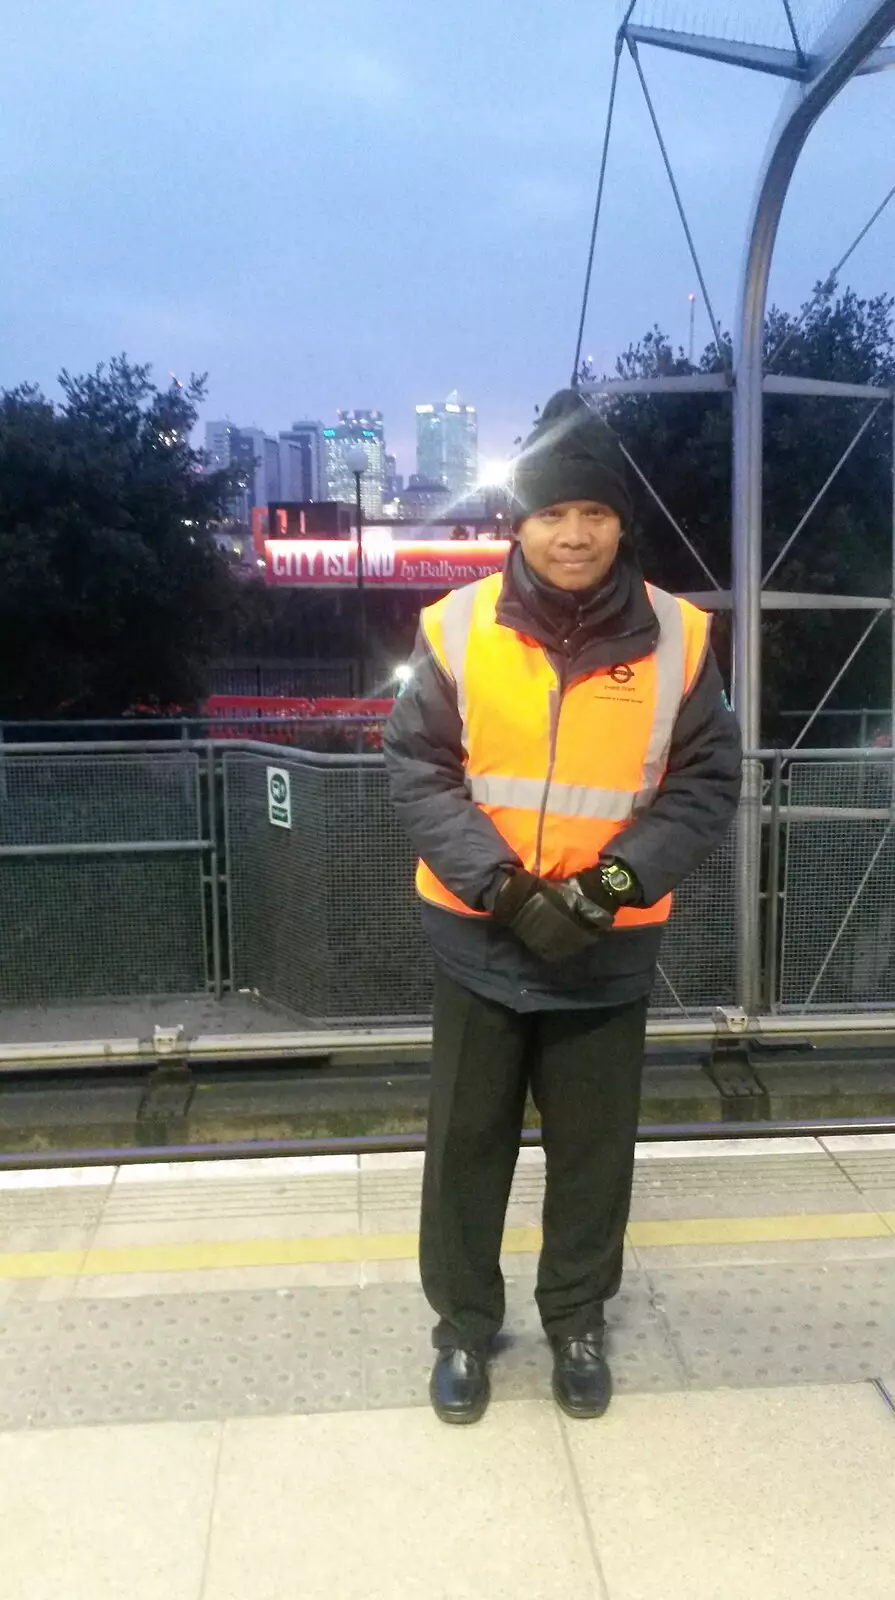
(602, 890)
(543, 915)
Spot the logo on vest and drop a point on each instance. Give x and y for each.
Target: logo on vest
(619, 686)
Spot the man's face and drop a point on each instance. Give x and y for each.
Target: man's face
(572, 544)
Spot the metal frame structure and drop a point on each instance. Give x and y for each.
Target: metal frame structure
(211, 846)
(851, 46)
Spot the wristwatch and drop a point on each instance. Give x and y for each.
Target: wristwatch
(618, 882)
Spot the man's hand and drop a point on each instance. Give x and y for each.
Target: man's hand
(604, 889)
(596, 914)
(546, 916)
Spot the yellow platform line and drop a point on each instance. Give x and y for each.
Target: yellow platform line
(762, 1230)
(205, 1257)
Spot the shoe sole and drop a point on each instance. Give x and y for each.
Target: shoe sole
(588, 1414)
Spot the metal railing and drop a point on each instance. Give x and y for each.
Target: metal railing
(330, 732)
(152, 868)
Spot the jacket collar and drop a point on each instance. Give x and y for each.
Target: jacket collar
(603, 629)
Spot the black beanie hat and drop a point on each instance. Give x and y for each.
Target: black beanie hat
(572, 454)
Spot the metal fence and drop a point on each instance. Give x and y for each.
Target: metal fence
(331, 732)
(838, 929)
(323, 916)
(157, 871)
(282, 677)
(102, 891)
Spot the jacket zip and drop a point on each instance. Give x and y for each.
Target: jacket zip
(555, 703)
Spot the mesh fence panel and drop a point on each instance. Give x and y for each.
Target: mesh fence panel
(82, 928)
(838, 943)
(98, 799)
(282, 677)
(324, 918)
(697, 966)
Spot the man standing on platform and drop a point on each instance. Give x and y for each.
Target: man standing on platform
(562, 757)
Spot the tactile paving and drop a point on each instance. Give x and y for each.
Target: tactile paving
(211, 1355)
(397, 1347)
(639, 1351)
(46, 1219)
(202, 1201)
(28, 1339)
(398, 1353)
(872, 1172)
(189, 1357)
(745, 1186)
(765, 1325)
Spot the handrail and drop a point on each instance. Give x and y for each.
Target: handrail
(398, 1143)
(292, 752)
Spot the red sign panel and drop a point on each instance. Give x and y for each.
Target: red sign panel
(332, 563)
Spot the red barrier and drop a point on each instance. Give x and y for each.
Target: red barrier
(256, 717)
(249, 705)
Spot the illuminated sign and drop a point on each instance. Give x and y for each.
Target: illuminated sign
(332, 563)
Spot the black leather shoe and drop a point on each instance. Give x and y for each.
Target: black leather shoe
(582, 1382)
(460, 1387)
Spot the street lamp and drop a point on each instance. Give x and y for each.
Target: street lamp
(357, 464)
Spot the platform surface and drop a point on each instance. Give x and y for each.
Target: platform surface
(213, 1383)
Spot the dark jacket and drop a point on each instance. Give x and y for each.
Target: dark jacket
(685, 822)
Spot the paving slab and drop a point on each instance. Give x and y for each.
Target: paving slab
(782, 1494)
(100, 1513)
(393, 1505)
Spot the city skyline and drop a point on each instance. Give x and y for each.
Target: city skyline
(309, 465)
(439, 204)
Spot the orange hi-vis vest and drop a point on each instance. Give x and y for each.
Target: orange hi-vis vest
(560, 774)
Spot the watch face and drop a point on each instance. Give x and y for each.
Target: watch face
(618, 879)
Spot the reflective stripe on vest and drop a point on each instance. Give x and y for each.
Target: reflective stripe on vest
(566, 799)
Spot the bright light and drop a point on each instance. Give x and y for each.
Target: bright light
(493, 474)
(424, 411)
(404, 672)
(449, 407)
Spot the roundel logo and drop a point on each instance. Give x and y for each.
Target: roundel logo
(278, 789)
(621, 674)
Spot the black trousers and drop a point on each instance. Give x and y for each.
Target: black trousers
(584, 1068)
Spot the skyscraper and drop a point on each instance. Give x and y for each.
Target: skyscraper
(447, 444)
(266, 477)
(364, 428)
(253, 452)
(394, 482)
(302, 463)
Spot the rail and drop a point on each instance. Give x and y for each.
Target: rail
(400, 1143)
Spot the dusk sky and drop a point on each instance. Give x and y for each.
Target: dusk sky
(346, 204)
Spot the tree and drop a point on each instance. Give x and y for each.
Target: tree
(111, 589)
(683, 445)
